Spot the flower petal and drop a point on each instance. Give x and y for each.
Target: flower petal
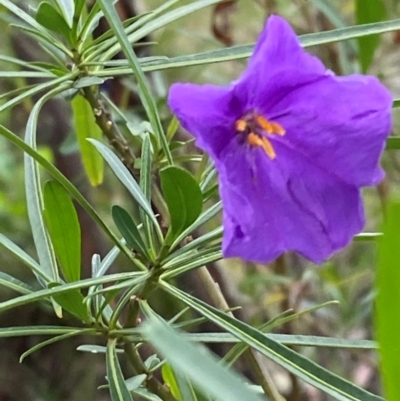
(340, 124)
(277, 54)
(273, 206)
(208, 112)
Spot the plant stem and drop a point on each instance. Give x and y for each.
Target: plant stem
(218, 298)
(110, 129)
(263, 377)
(152, 384)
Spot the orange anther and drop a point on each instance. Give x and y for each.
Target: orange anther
(269, 150)
(278, 129)
(264, 124)
(241, 125)
(270, 127)
(255, 140)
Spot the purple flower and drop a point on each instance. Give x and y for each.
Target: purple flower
(293, 145)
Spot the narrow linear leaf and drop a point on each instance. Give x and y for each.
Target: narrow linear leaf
(107, 261)
(203, 218)
(206, 374)
(245, 51)
(70, 188)
(63, 227)
(85, 127)
(85, 82)
(134, 26)
(145, 185)
(169, 378)
(67, 8)
(37, 89)
(145, 95)
(51, 341)
(388, 301)
(23, 256)
(34, 195)
(96, 349)
(14, 284)
(64, 288)
(118, 389)
(288, 339)
(295, 363)
(135, 382)
(22, 331)
(123, 174)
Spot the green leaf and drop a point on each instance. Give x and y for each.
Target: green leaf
(96, 349)
(51, 19)
(190, 262)
(203, 218)
(135, 382)
(169, 378)
(64, 230)
(20, 13)
(295, 363)
(22, 256)
(79, 5)
(126, 178)
(388, 301)
(72, 302)
(86, 127)
(288, 339)
(51, 341)
(183, 197)
(245, 51)
(64, 288)
(33, 191)
(37, 89)
(118, 388)
(145, 95)
(22, 331)
(368, 12)
(145, 185)
(13, 283)
(85, 82)
(128, 229)
(202, 368)
(70, 188)
(67, 8)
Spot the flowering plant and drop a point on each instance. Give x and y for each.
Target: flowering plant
(283, 152)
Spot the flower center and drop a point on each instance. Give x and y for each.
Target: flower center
(254, 128)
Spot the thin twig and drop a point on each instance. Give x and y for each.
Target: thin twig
(220, 302)
(153, 384)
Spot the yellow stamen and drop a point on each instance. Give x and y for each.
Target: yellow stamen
(241, 125)
(278, 129)
(255, 140)
(264, 124)
(268, 148)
